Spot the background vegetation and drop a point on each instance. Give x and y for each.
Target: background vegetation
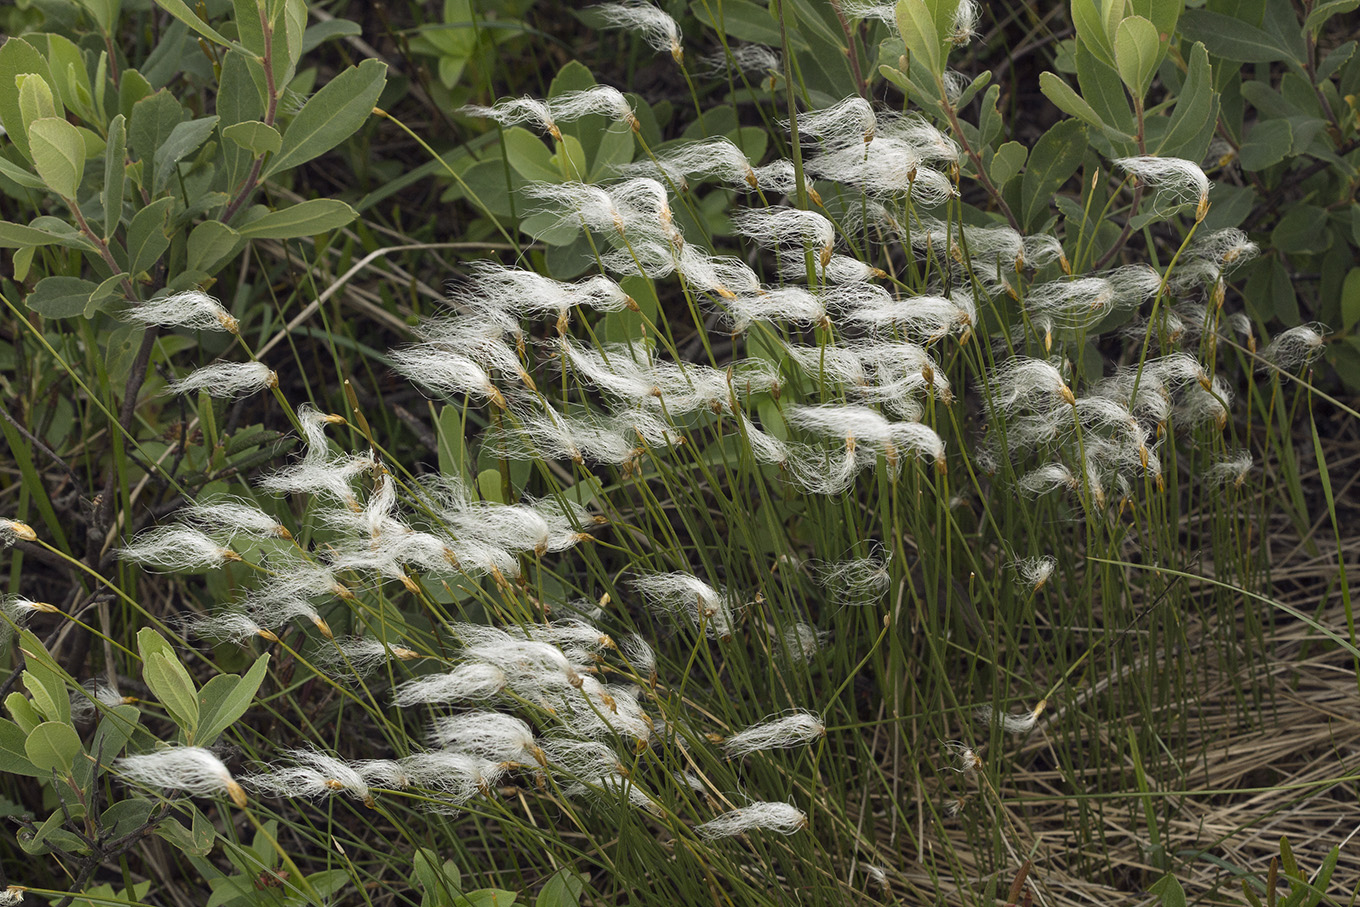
(1130, 677)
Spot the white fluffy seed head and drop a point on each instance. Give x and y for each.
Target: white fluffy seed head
(766, 448)
(602, 100)
(857, 423)
(1033, 573)
(1227, 248)
(474, 682)
(819, 471)
(606, 710)
(724, 275)
(802, 642)
(359, 654)
(446, 372)
(785, 305)
(965, 760)
(781, 818)
(513, 111)
(755, 59)
(781, 177)
(192, 769)
(175, 549)
(491, 735)
(681, 593)
(868, 9)
(621, 370)
(867, 429)
(1178, 182)
(1022, 383)
(783, 227)
(97, 696)
(330, 478)
(229, 626)
(192, 309)
(837, 269)
(461, 776)
(846, 124)
(926, 318)
(233, 515)
(964, 26)
(14, 530)
(16, 610)
(1201, 404)
(313, 774)
(637, 209)
(785, 732)
(1232, 469)
(1048, 478)
(507, 294)
(1011, 723)
(314, 422)
(581, 758)
(1295, 347)
(544, 433)
(227, 379)
(715, 158)
(857, 581)
(650, 22)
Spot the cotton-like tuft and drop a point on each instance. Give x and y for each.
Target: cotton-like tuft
(781, 733)
(227, 379)
(649, 21)
(192, 309)
(192, 769)
(781, 818)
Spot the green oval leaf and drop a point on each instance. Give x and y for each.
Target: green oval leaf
(58, 154)
(1086, 16)
(182, 141)
(1006, 163)
(1231, 38)
(18, 236)
(1055, 157)
(17, 58)
(226, 697)
(115, 174)
(20, 175)
(528, 156)
(254, 136)
(146, 239)
(1137, 51)
(918, 30)
(1266, 144)
(1350, 300)
(35, 97)
(210, 243)
(13, 751)
(1067, 100)
(331, 115)
(303, 219)
(181, 11)
(172, 685)
(562, 890)
(61, 297)
(1302, 231)
(1195, 116)
(53, 745)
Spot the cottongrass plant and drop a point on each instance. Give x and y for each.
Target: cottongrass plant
(624, 613)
